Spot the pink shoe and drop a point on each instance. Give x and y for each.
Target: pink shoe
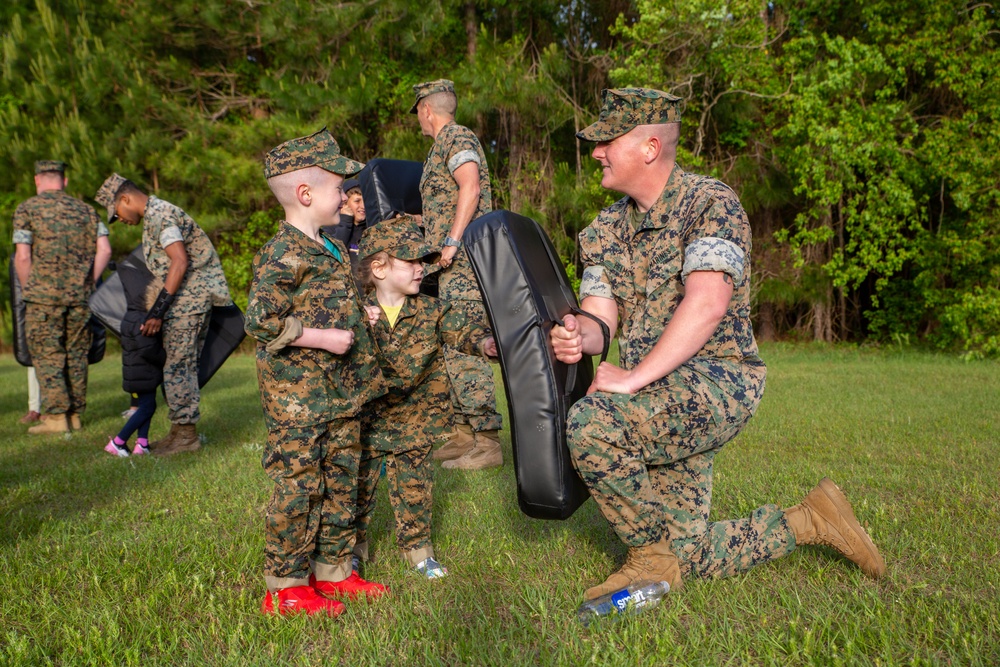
(115, 449)
(140, 449)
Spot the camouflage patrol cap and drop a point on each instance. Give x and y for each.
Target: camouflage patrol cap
(43, 166)
(422, 90)
(319, 149)
(623, 109)
(106, 194)
(400, 237)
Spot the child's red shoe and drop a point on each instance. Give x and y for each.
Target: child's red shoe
(351, 587)
(300, 600)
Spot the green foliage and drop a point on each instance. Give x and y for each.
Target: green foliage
(238, 248)
(862, 137)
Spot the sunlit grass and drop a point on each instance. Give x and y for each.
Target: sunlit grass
(158, 562)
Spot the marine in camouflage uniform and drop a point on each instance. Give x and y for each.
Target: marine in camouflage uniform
(454, 146)
(647, 456)
(185, 321)
(311, 397)
(401, 427)
(58, 235)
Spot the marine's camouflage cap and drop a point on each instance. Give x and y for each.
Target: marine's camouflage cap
(622, 109)
(422, 90)
(106, 194)
(319, 149)
(43, 166)
(399, 236)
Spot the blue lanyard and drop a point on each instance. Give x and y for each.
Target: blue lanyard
(332, 248)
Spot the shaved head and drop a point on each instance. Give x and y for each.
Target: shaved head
(669, 135)
(443, 103)
(283, 185)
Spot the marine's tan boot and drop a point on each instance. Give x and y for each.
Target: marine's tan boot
(74, 421)
(651, 562)
(486, 453)
(460, 443)
(825, 517)
(165, 441)
(185, 440)
(50, 424)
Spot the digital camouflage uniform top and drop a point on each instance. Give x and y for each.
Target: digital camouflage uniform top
(698, 224)
(204, 284)
(62, 232)
(295, 277)
(454, 146)
(417, 410)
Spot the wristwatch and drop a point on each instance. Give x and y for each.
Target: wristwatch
(448, 241)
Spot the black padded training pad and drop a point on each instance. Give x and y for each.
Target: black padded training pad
(389, 187)
(225, 328)
(98, 338)
(525, 291)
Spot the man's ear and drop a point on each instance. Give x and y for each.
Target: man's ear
(652, 149)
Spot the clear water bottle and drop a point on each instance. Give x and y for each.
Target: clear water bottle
(640, 595)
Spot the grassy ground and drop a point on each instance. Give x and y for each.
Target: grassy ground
(157, 562)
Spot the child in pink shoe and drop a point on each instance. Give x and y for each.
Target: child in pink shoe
(142, 360)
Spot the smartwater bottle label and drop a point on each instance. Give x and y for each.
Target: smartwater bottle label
(621, 599)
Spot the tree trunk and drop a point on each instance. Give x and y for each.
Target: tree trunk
(471, 30)
(822, 325)
(766, 329)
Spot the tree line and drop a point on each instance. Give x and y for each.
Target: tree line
(862, 137)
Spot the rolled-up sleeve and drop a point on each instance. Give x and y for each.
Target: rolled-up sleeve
(714, 254)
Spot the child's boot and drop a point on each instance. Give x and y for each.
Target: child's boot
(352, 587)
(300, 600)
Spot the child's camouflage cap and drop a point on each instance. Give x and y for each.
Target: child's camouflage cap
(422, 90)
(106, 194)
(319, 149)
(43, 166)
(622, 109)
(399, 236)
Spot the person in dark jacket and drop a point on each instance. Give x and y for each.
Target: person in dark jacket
(353, 221)
(142, 359)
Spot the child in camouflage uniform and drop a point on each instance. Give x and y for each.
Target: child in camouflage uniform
(400, 428)
(316, 368)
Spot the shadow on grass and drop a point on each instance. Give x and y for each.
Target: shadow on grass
(47, 479)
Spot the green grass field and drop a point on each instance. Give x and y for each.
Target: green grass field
(158, 562)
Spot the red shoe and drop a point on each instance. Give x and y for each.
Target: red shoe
(351, 587)
(301, 599)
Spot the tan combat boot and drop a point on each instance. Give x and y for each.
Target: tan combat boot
(651, 562)
(460, 443)
(50, 424)
(74, 421)
(164, 442)
(486, 453)
(185, 440)
(825, 517)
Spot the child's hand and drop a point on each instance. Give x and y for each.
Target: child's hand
(374, 312)
(337, 341)
(490, 347)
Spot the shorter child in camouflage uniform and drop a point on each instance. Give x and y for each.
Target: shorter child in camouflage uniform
(316, 368)
(411, 331)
